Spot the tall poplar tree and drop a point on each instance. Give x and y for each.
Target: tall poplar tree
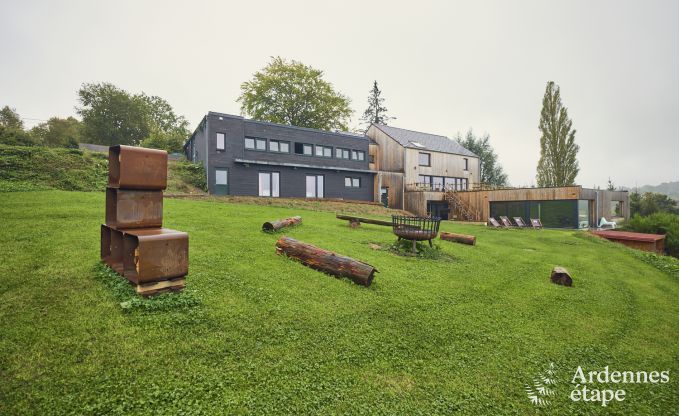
(376, 112)
(558, 165)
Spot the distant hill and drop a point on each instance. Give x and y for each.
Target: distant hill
(670, 189)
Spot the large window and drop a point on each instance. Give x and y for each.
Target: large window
(424, 159)
(314, 186)
(352, 182)
(552, 214)
(269, 184)
(220, 141)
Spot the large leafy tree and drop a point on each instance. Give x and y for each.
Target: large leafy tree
(491, 171)
(376, 112)
(111, 115)
(59, 132)
(12, 129)
(558, 165)
(295, 94)
(114, 116)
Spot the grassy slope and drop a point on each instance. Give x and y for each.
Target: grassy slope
(40, 168)
(271, 336)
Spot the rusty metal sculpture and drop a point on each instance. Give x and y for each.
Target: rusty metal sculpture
(152, 258)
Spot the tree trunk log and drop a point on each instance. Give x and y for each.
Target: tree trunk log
(326, 261)
(278, 224)
(560, 276)
(353, 220)
(459, 238)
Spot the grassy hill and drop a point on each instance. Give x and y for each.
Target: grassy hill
(43, 168)
(255, 333)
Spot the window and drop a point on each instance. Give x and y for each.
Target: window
(323, 151)
(343, 153)
(372, 158)
(352, 182)
(269, 184)
(361, 155)
(424, 159)
(314, 186)
(424, 180)
(449, 183)
(279, 146)
(466, 163)
(220, 141)
(249, 143)
(260, 144)
(338, 153)
(437, 183)
(304, 149)
(221, 177)
(358, 155)
(285, 147)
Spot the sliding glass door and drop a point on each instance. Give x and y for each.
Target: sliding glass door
(269, 184)
(314, 186)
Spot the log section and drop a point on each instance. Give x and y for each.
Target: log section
(272, 226)
(459, 238)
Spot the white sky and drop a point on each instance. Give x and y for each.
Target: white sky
(443, 66)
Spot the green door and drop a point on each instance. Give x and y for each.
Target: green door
(221, 181)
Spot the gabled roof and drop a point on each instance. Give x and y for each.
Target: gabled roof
(424, 141)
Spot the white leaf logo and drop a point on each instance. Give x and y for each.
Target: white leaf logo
(542, 387)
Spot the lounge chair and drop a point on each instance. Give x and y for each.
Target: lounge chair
(536, 223)
(492, 222)
(519, 222)
(506, 222)
(606, 224)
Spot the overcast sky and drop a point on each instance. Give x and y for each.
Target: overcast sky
(443, 66)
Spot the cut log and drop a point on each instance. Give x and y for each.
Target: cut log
(326, 261)
(560, 276)
(459, 238)
(353, 221)
(278, 224)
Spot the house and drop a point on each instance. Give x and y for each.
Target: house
(248, 157)
(423, 173)
(416, 170)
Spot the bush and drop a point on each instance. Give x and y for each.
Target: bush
(659, 223)
(189, 173)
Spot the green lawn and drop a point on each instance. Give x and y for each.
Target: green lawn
(464, 333)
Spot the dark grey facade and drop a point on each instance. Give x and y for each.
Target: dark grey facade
(247, 157)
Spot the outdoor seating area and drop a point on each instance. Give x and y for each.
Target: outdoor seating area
(505, 222)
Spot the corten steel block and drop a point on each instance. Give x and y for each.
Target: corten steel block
(137, 168)
(112, 248)
(131, 208)
(155, 254)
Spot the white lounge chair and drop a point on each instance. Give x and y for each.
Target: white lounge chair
(606, 224)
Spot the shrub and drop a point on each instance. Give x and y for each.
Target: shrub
(659, 223)
(189, 173)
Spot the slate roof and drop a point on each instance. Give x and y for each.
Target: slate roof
(433, 142)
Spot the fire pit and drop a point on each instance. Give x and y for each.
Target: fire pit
(415, 228)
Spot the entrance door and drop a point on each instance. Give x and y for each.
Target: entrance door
(221, 181)
(384, 196)
(315, 186)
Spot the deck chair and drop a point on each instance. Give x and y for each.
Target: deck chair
(606, 224)
(536, 223)
(506, 222)
(519, 222)
(492, 222)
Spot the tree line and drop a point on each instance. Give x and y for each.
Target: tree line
(286, 92)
